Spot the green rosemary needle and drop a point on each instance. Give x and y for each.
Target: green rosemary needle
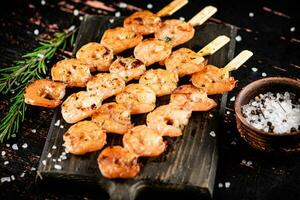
(15, 78)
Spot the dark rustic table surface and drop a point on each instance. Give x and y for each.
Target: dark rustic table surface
(269, 28)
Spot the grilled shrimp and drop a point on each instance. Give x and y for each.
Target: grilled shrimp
(45, 93)
(175, 32)
(79, 106)
(213, 81)
(106, 85)
(113, 117)
(97, 56)
(119, 39)
(161, 81)
(73, 72)
(84, 137)
(143, 22)
(144, 141)
(127, 68)
(137, 98)
(169, 120)
(152, 50)
(185, 62)
(118, 162)
(192, 98)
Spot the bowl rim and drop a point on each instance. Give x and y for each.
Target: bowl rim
(252, 86)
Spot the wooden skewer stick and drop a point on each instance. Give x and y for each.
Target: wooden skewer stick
(203, 15)
(214, 45)
(238, 61)
(171, 8)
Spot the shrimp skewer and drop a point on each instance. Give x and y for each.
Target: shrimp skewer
(215, 80)
(113, 117)
(97, 56)
(84, 137)
(118, 162)
(186, 62)
(45, 93)
(192, 98)
(161, 81)
(145, 22)
(178, 32)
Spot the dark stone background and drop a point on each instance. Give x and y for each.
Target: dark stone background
(276, 52)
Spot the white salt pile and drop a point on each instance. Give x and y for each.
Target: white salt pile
(275, 113)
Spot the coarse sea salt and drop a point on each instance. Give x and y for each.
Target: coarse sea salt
(25, 145)
(212, 134)
(5, 179)
(275, 113)
(57, 123)
(15, 147)
(56, 166)
(3, 153)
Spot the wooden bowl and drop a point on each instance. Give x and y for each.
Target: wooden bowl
(259, 139)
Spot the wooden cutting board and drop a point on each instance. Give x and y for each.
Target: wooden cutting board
(190, 162)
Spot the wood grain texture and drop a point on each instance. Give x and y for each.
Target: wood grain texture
(189, 164)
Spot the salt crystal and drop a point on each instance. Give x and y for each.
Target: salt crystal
(12, 177)
(33, 169)
(76, 12)
(254, 69)
(54, 147)
(54, 160)
(251, 14)
(263, 74)
(22, 175)
(149, 6)
(112, 20)
(15, 147)
(33, 130)
(61, 126)
(122, 5)
(64, 157)
(57, 123)
(13, 135)
(59, 159)
(6, 162)
(25, 145)
(220, 185)
(56, 166)
(3, 153)
(232, 98)
(71, 28)
(212, 134)
(244, 162)
(227, 184)
(118, 14)
(63, 153)
(7, 145)
(228, 112)
(233, 143)
(238, 38)
(43, 2)
(44, 162)
(249, 163)
(181, 18)
(292, 29)
(5, 179)
(49, 155)
(80, 18)
(211, 115)
(36, 32)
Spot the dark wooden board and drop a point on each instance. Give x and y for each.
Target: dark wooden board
(189, 164)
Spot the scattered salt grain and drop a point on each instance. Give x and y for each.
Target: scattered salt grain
(292, 29)
(49, 155)
(54, 160)
(56, 166)
(233, 142)
(71, 28)
(149, 6)
(33, 169)
(263, 74)
(43, 2)
(244, 162)
(238, 38)
(64, 157)
(211, 115)
(249, 163)
(80, 18)
(59, 159)
(54, 147)
(181, 18)
(118, 14)
(22, 175)
(63, 153)
(15, 147)
(7, 145)
(6, 162)
(25, 145)
(122, 5)
(76, 12)
(232, 98)
(57, 123)
(227, 184)
(3, 153)
(13, 135)
(220, 185)
(5, 179)
(212, 134)
(12, 177)
(251, 14)
(33, 131)
(228, 112)
(112, 20)
(254, 69)
(44, 162)
(36, 32)
(61, 126)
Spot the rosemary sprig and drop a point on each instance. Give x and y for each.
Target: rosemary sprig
(32, 66)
